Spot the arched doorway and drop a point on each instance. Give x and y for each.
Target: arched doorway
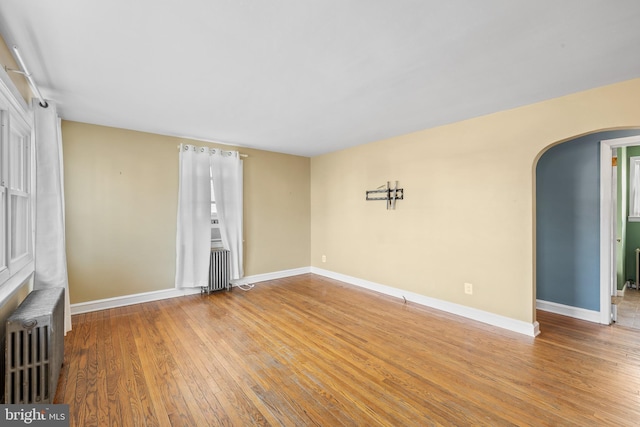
(572, 263)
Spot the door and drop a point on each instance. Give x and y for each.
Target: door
(615, 239)
(608, 229)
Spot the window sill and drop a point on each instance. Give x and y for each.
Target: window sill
(634, 218)
(17, 280)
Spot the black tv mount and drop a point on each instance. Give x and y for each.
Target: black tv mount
(390, 194)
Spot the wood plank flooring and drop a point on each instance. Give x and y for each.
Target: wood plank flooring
(311, 351)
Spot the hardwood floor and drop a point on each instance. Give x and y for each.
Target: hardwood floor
(308, 350)
(629, 309)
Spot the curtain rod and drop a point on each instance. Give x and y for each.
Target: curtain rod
(241, 154)
(25, 72)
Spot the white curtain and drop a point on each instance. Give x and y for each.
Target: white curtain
(50, 248)
(193, 240)
(226, 170)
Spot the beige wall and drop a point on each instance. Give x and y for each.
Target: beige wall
(121, 191)
(468, 210)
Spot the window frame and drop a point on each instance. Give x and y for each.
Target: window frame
(215, 222)
(634, 187)
(22, 190)
(4, 195)
(16, 121)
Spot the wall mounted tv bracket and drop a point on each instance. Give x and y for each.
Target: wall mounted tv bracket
(389, 194)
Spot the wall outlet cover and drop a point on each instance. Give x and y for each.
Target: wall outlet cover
(468, 288)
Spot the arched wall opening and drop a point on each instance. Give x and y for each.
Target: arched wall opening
(568, 246)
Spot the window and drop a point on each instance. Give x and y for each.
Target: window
(634, 189)
(4, 163)
(216, 238)
(16, 185)
(19, 196)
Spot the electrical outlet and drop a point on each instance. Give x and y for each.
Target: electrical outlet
(324, 258)
(468, 288)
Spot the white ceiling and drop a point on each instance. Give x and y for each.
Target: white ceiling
(315, 76)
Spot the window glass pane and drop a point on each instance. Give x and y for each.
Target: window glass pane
(17, 162)
(214, 209)
(4, 118)
(20, 225)
(3, 235)
(634, 186)
(215, 234)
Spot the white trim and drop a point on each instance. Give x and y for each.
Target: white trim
(121, 301)
(7, 85)
(567, 310)
(620, 292)
(19, 120)
(634, 161)
(530, 329)
(606, 239)
(16, 281)
(271, 276)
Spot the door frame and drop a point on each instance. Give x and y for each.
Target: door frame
(607, 239)
(613, 280)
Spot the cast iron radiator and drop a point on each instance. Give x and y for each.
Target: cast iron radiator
(34, 348)
(219, 271)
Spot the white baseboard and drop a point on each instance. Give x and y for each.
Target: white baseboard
(530, 329)
(566, 310)
(271, 276)
(620, 292)
(104, 304)
(121, 301)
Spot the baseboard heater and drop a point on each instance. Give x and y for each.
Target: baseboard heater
(219, 271)
(34, 348)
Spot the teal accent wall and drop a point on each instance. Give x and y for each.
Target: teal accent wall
(568, 222)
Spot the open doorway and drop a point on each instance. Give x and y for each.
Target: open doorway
(574, 266)
(618, 242)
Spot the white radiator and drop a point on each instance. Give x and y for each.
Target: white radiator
(34, 348)
(219, 271)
